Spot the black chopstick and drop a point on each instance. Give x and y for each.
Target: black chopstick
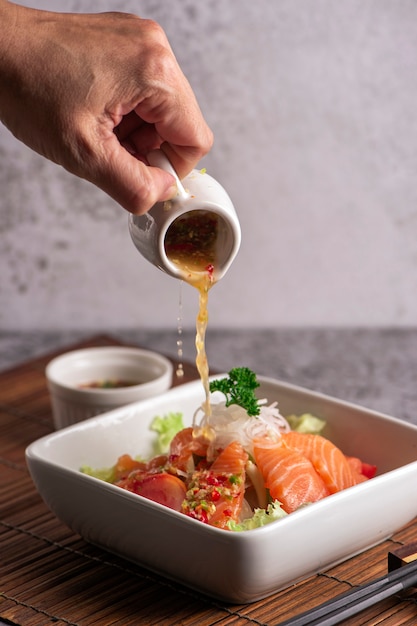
(352, 602)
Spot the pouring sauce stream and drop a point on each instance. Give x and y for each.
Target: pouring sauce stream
(191, 243)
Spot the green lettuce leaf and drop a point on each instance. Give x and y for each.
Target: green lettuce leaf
(306, 423)
(261, 517)
(106, 473)
(166, 427)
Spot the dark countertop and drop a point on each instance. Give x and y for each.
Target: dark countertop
(376, 368)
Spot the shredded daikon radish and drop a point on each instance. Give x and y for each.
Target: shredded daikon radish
(232, 423)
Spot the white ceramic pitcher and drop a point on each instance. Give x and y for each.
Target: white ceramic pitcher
(196, 192)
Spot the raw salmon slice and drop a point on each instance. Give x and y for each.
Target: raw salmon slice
(288, 474)
(231, 460)
(183, 447)
(125, 465)
(328, 460)
(357, 468)
(215, 495)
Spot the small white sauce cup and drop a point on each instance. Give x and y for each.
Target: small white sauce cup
(72, 403)
(196, 192)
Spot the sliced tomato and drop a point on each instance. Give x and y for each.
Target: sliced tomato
(163, 488)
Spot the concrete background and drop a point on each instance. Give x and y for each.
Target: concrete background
(313, 105)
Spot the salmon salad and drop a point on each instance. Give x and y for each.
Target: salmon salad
(241, 464)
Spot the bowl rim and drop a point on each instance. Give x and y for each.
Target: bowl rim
(149, 356)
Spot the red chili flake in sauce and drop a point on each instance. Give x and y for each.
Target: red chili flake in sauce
(215, 495)
(212, 480)
(205, 490)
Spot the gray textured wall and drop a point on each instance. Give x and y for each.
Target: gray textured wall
(313, 105)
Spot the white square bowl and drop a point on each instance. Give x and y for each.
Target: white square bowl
(238, 567)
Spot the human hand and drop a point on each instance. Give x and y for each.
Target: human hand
(95, 93)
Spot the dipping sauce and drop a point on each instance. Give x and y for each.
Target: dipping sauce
(108, 384)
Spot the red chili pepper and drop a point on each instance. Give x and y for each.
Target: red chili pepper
(222, 479)
(215, 495)
(212, 480)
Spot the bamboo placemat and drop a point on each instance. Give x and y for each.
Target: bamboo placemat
(49, 575)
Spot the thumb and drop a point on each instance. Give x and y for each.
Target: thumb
(133, 184)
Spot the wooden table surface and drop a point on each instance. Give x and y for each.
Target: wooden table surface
(50, 575)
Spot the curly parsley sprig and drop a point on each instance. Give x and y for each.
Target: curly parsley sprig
(239, 389)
